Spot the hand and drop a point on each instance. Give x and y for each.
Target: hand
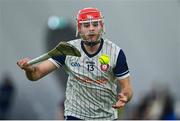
(122, 100)
(24, 65)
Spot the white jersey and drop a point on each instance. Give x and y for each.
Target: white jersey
(91, 86)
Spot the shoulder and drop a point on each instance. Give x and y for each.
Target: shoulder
(75, 41)
(108, 41)
(113, 46)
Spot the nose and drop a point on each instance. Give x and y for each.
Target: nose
(91, 27)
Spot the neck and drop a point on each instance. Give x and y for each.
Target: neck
(92, 49)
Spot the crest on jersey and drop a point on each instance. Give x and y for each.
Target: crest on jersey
(104, 61)
(104, 67)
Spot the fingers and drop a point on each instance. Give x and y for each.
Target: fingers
(119, 104)
(122, 99)
(23, 63)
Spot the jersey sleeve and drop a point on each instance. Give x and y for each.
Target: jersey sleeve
(58, 60)
(121, 69)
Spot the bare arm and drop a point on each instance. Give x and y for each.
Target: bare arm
(35, 72)
(125, 94)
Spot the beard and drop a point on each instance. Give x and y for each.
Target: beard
(89, 38)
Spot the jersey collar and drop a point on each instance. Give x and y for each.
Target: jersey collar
(92, 55)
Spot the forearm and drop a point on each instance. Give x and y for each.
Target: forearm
(125, 94)
(40, 70)
(127, 91)
(35, 72)
(126, 88)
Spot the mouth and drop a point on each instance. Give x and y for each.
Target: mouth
(91, 35)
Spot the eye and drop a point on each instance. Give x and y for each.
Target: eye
(95, 24)
(86, 25)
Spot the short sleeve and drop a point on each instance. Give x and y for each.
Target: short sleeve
(121, 69)
(58, 60)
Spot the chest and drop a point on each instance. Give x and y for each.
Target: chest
(89, 66)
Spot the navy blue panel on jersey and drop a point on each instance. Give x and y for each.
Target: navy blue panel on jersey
(121, 68)
(60, 59)
(71, 118)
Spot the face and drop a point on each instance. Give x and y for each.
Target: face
(90, 31)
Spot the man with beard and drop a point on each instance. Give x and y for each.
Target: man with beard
(91, 87)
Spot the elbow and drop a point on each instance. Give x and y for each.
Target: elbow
(32, 79)
(32, 76)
